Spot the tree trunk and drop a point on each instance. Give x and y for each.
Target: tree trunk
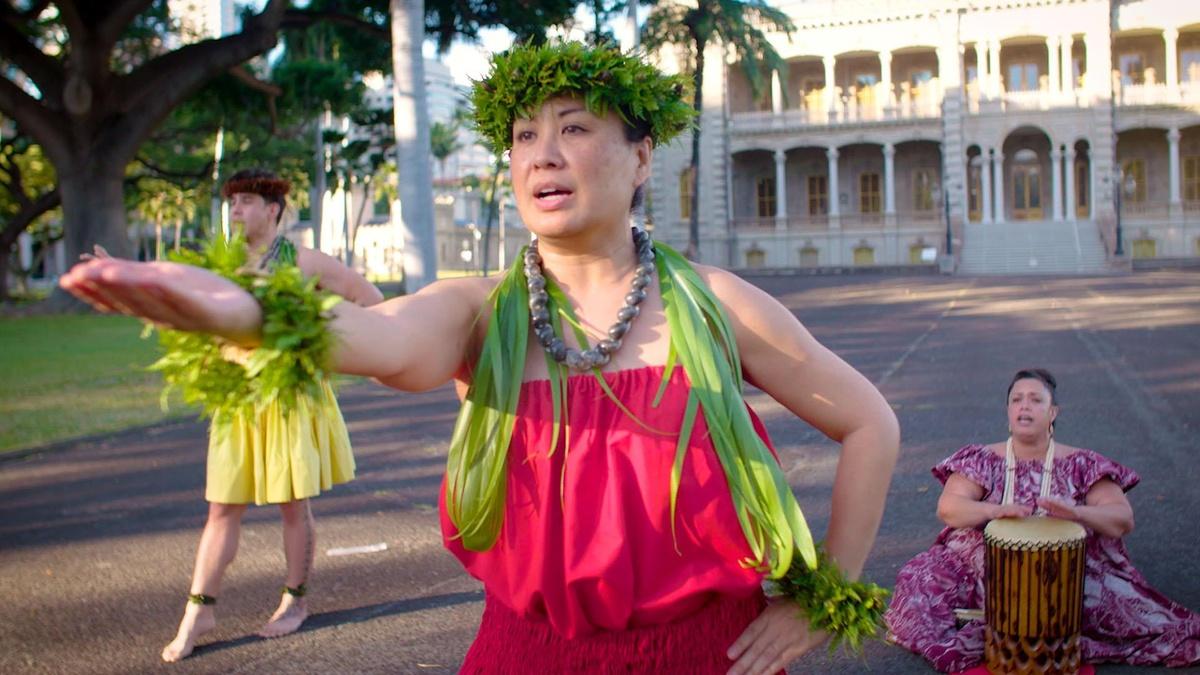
(93, 205)
(693, 246)
(492, 201)
(5, 261)
(413, 150)
(142, 252)
(158, 242)
(317, 201)
(347, 233)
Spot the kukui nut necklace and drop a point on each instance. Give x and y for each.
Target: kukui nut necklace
(539, 313)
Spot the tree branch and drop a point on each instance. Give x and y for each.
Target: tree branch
(75, 23)
(269, 90)
(45, 71)
(15, 183)
(198, 61)
(48, 127)
(199, 174)
(116, 19)
(303, 18)
(247, 78)
(25, 217)
(155, 88)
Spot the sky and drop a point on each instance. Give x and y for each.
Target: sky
(469, 61)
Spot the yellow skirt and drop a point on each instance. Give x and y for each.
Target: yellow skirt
(272, 458)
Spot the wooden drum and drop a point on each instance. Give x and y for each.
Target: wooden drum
(1034, 595)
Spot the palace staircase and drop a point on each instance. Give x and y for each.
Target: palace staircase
(1032, 247)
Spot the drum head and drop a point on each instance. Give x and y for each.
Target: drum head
(1033, 532)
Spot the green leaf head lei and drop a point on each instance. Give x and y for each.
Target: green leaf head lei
(526, 76)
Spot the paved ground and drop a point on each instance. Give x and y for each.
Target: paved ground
(97, 536)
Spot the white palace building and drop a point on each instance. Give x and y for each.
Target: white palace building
(994, 136)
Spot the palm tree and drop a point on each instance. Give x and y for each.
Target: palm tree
(412, 143)
(443, 142)
(739, 24)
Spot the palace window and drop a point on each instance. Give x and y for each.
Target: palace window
(919, 76)
(864, 255)
(765, 190)
(812, 90)
(685, 193)
(1133, 68)
(756, 258)
(1023, 77)
(1133, 181)
(811, 257)
(865, 80)
(818, 195)
(1191, 179)
(1189, 65)
(1076, 72)
(1145, 248)
(868, 193)
(923, 190)
(916, 253)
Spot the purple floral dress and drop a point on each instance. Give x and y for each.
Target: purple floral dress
(1124, 619)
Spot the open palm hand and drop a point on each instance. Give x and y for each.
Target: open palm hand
(167, 294)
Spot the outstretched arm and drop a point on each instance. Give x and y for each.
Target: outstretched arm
(413, 343)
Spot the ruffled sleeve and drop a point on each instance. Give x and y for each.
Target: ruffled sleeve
(1090, 467)
(975, 462)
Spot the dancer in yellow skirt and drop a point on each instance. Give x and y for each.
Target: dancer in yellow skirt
(270, 457)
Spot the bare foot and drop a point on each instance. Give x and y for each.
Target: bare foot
(197, 620)
(287, 619)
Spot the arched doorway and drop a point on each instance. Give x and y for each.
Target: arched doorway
(1027, 188)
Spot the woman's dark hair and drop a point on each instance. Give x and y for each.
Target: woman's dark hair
(1041, 375)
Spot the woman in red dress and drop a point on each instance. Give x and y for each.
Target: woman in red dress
(619, 502)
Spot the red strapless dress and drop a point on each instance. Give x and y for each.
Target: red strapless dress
(585, 574)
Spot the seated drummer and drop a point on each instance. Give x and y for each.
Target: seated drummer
(1125, 620)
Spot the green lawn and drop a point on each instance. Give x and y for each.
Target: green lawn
(68, 376)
